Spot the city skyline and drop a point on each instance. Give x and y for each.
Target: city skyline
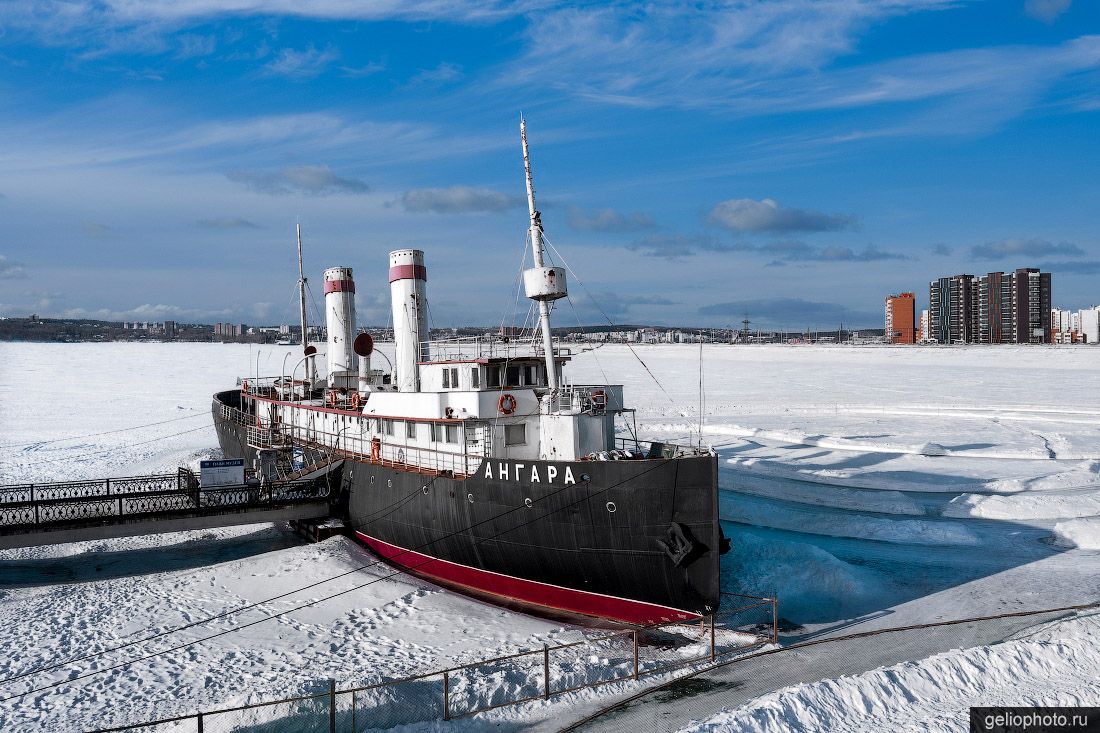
(790, 160)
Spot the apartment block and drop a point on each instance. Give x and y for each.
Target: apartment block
(901, 318)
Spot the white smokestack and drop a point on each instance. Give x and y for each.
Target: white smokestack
(340, 319)
(408, 281)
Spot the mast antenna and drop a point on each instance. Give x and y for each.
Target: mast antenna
(542, 284)
(302, 304)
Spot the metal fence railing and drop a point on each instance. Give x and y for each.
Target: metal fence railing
(589, 660)
(26, 507)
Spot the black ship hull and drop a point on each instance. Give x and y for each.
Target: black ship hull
(636, 541)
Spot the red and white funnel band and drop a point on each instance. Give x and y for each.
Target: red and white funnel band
(339, 286)
(408, 272)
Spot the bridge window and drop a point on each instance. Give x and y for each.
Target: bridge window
(475, 377)
(512, 377)
(410, 430)
(387, 427)
(494, 374)
(446, 378)
(442, 433)
(515, 434)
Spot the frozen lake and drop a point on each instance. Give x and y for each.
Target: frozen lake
(865, 486)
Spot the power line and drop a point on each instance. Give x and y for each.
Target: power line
(105, 432)
(392, 508)
(586, 497)
(129, 445)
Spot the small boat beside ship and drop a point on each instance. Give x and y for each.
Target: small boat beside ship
(476, 463)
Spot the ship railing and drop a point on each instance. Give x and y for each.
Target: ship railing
(470, 348)
(282, 387)
(658, 449)
(595, 398)
(363, 447)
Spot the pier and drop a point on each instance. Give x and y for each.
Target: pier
(35, 514)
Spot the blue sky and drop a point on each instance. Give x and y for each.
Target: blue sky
(794, 160)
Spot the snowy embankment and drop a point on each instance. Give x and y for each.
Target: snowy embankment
(1083, 534)
(1054, 666)
(866, 487)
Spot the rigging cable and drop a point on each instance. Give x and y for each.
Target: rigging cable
(608, 319)
(381, 513)
(586, 497)
(128, 445)
(204, 413)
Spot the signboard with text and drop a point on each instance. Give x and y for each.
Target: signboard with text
(227, 472)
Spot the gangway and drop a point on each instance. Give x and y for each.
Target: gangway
(35, 514)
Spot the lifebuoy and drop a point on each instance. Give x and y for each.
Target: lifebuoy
(331, 398)
(506, 404)
(244, 386)
(355, 400)
(375, 449)
(599, 398)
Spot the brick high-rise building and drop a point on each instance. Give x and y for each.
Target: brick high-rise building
(901, 318)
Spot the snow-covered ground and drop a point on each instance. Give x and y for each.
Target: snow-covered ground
(1053, 665)
(867, 487)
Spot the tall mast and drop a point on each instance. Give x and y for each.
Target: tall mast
(536, 249)
(302, 304)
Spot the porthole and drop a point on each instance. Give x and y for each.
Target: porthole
(528, 502)
(389, 482)
(424, 488)
(470, 497)
(372, 480)
(611, 507)
(585, 477)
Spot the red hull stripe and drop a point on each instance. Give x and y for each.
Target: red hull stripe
(408, 272)
(529, 591)
(339, 286)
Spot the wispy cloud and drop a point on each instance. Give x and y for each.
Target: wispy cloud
(97, 230)
(749, 215)
(941, 249)
(1078, 267)
(1025, 248)
(148, 312)
(304, 64)
(105, 27)
(723, 57)
(675, 246)
(445, 73)
(192, 45)
(792, 313)
(608, 220)
(316, 180)
(370, 69)
(458, 200)
(226, 223)
(1046, 10)
(795, 251)
(11, 269)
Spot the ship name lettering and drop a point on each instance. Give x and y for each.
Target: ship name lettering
(505, 472)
